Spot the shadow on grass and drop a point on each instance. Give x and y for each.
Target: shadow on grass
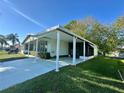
(103, 66)
(83, 78)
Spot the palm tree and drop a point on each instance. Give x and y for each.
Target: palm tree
(13, 38)
(3, 41)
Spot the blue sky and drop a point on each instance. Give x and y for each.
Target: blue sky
(32, 16)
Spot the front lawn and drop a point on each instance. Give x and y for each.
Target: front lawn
(4, 56)
(98, 75)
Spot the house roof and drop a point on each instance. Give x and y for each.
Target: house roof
(27, 38)
(58, 28)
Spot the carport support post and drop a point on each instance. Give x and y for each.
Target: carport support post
(95, 50)
(84, 48)
(24, 48)
(36, 48)
(74, 50)
(28, 48)
(57, 51)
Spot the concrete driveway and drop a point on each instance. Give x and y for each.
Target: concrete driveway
(17, 71)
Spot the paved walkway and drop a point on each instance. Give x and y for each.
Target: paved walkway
(18, 71)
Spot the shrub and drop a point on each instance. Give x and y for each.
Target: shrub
(44, 55)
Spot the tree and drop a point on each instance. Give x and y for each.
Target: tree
(105, 37)
(121, 38)
(119, 23)
(77, 26)
(119, 26)
(3, 41)
(81, 27)
(13, 38)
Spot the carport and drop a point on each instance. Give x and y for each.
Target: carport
(60, 42)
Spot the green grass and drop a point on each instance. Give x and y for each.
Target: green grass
(98, 75)
(4, 56)
(121, 67)
(2, 52)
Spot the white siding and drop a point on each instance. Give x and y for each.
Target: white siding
(52, 47)
(30, 39)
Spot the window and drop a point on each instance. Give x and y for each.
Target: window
(43, 46)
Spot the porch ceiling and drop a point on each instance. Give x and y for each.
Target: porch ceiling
(63, 36)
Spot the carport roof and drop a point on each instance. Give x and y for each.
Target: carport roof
(57, 28)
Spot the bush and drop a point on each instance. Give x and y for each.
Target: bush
(44, 55)
(33, 53)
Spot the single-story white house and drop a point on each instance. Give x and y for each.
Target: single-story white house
(60, 42)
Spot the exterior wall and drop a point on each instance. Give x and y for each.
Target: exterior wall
(52, 47)
(29, 39)
(22, 49)
(32, 42)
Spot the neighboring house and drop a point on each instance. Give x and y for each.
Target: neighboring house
(119, 53)
(60, 42)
